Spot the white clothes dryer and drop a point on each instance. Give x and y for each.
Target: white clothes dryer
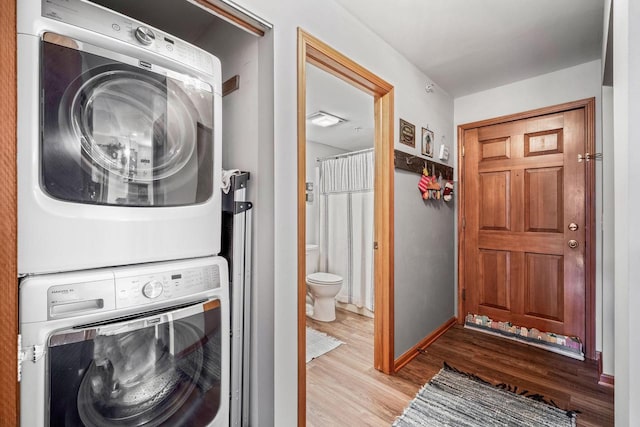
(118, 141)
(143, 345)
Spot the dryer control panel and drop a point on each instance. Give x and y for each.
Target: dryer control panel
(96, 18)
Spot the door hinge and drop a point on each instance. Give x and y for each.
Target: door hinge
(464, 222)
(32, 353)
(589, 156)
(21, 357)
(464, 295)
(463, 149)
(375, 245)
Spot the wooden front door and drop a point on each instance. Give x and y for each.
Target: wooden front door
(523, 188)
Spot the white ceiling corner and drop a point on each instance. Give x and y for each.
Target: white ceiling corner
(469, 46)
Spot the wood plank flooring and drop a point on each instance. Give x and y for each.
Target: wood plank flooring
(343, 389)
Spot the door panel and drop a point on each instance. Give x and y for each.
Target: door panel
(544, 286)
(493, 149)
(494, 278)
(523, 186)
(541, 143)
(543, 198)
(494, 201)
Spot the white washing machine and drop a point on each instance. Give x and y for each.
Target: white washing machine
(118, 141)
(128, 346)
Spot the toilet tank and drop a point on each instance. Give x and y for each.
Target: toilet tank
(312, 258)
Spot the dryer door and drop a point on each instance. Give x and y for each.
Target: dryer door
(119, 131)
(162, 369)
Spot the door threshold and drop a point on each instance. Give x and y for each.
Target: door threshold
(514, 333)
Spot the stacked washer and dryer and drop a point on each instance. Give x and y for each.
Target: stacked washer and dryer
(124, 306)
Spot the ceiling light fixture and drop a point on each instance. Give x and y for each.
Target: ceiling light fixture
(324, 119)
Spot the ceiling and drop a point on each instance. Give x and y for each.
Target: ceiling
(330, 94)
(468, 46)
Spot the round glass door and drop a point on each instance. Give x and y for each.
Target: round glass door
(167, 371)
(137, 379)
(117, 134)
(120, 119)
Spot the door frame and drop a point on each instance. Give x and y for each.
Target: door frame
(312, 50)
(590, 208)
(8, 225)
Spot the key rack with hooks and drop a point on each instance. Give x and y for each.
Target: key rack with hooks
(415, 164)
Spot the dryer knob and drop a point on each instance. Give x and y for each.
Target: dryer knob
(152, 289)
(145, 35)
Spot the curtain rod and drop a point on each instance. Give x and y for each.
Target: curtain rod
(336, 156)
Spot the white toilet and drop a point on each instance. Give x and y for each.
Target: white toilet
(322, 287)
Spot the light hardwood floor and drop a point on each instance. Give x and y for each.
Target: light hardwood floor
(344, 390)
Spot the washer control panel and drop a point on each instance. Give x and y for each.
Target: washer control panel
(101, 20)
(104, 290)
(141, 289)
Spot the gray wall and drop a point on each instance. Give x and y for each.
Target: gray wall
(424, 262)
(247, 135)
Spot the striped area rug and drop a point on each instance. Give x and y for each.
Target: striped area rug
(453, 398)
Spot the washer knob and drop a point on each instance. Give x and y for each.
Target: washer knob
(145, 35)
(152, 289)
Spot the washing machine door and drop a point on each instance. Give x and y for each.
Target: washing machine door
(161, 369)
(119, 131)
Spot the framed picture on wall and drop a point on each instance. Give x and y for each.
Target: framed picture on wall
(427, 142)
(407, 134)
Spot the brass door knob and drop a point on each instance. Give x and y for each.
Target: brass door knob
(573, 226)
(573, 244)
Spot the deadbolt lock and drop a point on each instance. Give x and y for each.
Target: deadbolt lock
(573, 226)
(573, 244)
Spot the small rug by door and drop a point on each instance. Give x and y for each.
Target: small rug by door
(319, 343)
(454, 398)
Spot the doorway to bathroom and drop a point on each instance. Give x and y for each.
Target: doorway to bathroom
(345, 216)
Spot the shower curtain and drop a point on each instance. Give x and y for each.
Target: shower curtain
(346, 225)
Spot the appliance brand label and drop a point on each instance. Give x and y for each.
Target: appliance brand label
(62, 294)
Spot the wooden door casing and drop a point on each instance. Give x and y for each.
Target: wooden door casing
(521, 187)
(9, 393)
(313, 51)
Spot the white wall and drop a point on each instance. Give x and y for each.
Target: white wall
(608, 236)
(315, 150)
(332, 24)
(570, 84)
(248, 145)
(626, 110)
